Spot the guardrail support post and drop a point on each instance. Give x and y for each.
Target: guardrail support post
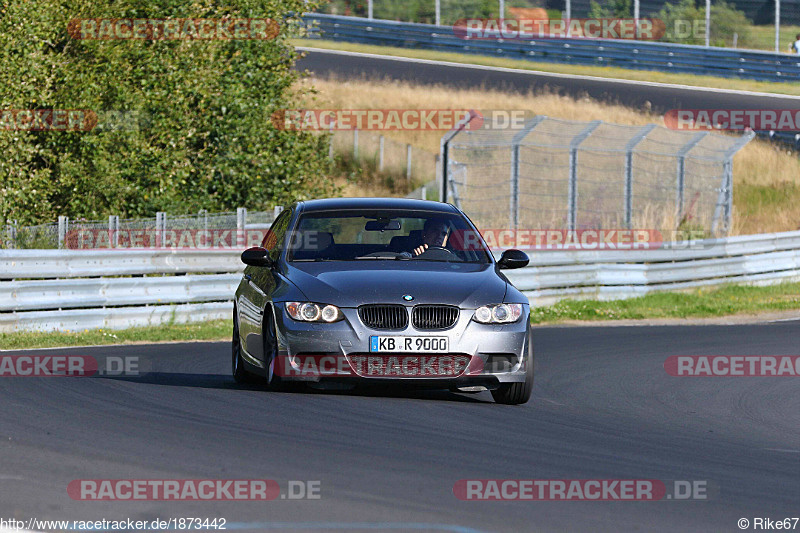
(681, 174)
(572, 199)
(380, 153)
(639, 137)
(241, 222)
(355, 144)
(276, 211)
(63, 227)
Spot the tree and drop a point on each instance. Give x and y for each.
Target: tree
(195, 114)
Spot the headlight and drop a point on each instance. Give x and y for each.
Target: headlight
(498, 313)
(311, 312)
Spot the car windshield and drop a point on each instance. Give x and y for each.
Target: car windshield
(374, 235)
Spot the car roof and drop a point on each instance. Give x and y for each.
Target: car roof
(326, 204)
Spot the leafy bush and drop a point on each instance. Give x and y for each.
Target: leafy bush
(207, 141)
(685, 23)
(611, 8)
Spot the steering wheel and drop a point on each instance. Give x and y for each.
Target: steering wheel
(439, 250)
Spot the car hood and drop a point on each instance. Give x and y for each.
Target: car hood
(350, 284)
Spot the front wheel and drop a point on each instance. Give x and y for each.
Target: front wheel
(275, 367)
(518, 393)
(240, 375)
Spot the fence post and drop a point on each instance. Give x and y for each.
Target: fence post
(681, 177)
(113, 231)
(572, 199)
(11, 234)
(276, 211)
(355, 144)
(444, 151)
(513, 215)
(639, 137)
(63, 224)
(725, 196)
(380, 154)
(408, 162)
(241, 222)
(161, 227)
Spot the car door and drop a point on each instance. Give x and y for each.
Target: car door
(259, 283)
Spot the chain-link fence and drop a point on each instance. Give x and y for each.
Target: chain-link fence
(210, 230)
(559, 174)
(375, 152)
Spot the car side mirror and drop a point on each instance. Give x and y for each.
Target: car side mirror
(513, 259)
(257, 257)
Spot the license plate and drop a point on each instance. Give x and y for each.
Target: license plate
(408, 344)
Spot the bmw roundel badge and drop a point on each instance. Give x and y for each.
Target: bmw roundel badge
(407, 297)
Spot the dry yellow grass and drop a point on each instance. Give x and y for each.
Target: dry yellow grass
(766, 177)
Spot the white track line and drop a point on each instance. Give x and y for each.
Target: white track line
(541, 73)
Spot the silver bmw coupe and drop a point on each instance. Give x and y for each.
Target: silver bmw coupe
(383, 291)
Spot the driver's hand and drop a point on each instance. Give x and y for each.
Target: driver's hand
(418, 250)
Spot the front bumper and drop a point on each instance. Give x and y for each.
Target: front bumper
(494, 354)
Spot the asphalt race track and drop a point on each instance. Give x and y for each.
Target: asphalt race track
(662, 97)
(603, 408)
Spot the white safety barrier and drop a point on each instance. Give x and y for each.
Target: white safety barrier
(70, 290)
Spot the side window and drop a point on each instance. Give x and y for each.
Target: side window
(273, 240)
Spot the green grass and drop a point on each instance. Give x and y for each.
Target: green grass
(603, 72)
(763, 38)
(206, 331)
(701, 303)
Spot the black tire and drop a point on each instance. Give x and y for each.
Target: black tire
(274, 381)
(518, 393)
(240, 375)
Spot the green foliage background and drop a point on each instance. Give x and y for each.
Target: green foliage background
(204, 139)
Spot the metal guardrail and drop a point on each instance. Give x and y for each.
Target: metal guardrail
(58, 299)
(640, 55)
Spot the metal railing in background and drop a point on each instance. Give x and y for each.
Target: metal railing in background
(385, 155)
(640, 55)
(68, 290)
(560, 174)
(66, 233)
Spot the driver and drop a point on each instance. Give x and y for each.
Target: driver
(434, 233)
